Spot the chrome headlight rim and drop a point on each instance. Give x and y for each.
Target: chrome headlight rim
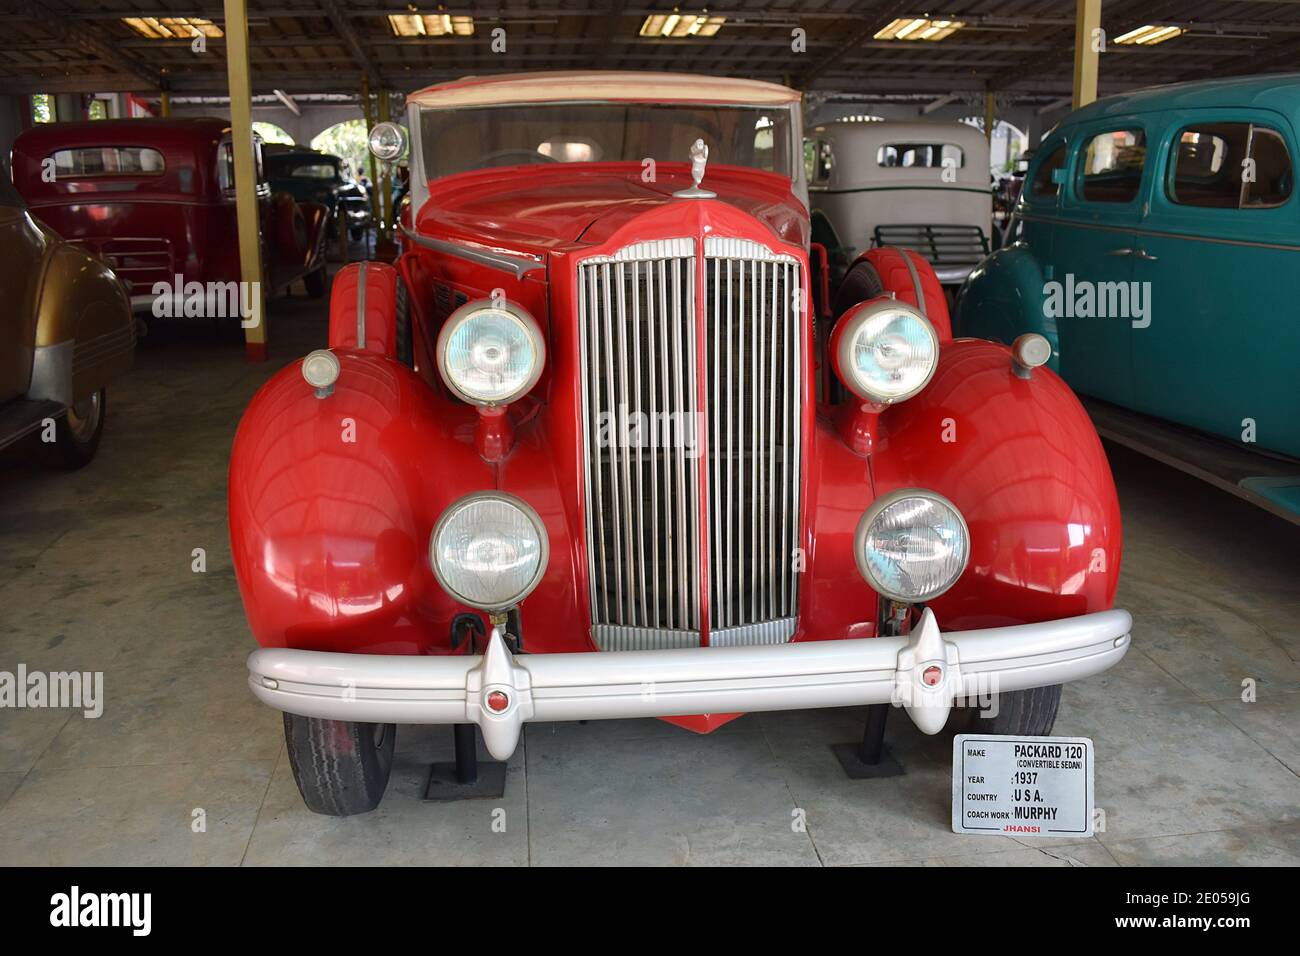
(388, 156)
(846, 333)
(465, 314)
(872, 513)
(544, 547)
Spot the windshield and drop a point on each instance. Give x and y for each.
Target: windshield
(459, 140)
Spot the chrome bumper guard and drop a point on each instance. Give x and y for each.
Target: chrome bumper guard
(924, 672)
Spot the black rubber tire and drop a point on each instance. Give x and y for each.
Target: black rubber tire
(1021, 713)
(315, 283)
(75, 451)
(402, 326)
(861, 283)
(339, 766)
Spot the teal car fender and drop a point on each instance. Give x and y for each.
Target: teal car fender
(1003, 298)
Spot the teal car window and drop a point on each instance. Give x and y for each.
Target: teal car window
(1112, 166)
(1274, 175)
(1229, 166)
(1044, 183)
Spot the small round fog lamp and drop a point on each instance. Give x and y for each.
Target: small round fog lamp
(1030, 351)
(321, 370)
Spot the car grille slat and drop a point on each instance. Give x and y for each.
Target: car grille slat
(652, 507)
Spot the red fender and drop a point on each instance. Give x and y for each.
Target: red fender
(894, 273)
(375, 319)
(1022, 462)
(332, 501)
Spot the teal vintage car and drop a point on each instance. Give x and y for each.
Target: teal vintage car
(1157, 247)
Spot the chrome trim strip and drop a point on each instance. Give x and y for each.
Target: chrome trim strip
(361, 305)
(515, 265)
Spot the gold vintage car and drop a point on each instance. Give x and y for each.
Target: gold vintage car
(66, 329)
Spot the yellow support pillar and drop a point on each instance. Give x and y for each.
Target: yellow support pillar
(1087, 23)
(368, 112)
(246, 207)
(385, 191)
(165, 104)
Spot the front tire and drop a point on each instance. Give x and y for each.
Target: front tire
(77, 433)
(1020, 713)
(861, 283)
(341, 766)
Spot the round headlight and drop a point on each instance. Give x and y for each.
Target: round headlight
(912, 545)
(489, 550)
(490, 354)
(388, 142)
(885, 351)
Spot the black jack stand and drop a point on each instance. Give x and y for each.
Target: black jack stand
(466, 778)
(870, 758)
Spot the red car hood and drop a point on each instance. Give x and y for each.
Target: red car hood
(551, 207)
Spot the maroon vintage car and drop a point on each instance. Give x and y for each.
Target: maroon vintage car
(156, 199)
(571, 457)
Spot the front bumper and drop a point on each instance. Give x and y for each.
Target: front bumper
(924, 671)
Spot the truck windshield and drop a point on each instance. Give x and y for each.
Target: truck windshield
(459, 140)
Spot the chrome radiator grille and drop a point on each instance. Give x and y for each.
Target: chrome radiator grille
(648, 531)
(752, 335)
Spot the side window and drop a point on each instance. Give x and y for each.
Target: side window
(1208, 165)
(86, 161)
(818, 160)
(1044, 184)
(1274, 177)
(1229, 166)
(1112, 166)
(927, 155)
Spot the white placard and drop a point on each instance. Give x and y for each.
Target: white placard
(1022, 786)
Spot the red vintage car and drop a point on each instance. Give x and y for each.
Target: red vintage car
(156, 199)
(572, 456)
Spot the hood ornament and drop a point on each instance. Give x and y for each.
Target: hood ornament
(699, 159)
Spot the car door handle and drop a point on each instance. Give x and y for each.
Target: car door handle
(1143, 254)
(1125, 251)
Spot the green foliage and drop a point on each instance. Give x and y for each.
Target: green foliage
(271, 133)
(348, 140)
(43, 107)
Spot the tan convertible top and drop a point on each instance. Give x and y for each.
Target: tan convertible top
(601, 85)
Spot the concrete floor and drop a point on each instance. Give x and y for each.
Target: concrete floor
(97, 576)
